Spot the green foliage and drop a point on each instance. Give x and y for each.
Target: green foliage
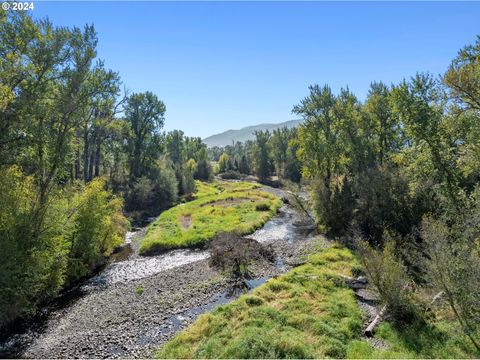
(441, 340)
(218, 207)
(188, 181)
(333, 206)
(261, 150)
(98, 227)
(139, 290)
(463, 76)
(223, 163)
(306, 313)
(145, 115)
(390, 279)
(32, 270)
(453, 267)
(317, 135)
(203, 169)
(79, 228)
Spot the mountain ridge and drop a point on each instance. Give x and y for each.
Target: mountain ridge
(245, 133)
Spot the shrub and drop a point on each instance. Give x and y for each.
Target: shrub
(232, 175)
(141, 195)
(263, 206)
(333, 206)
(165, 189)
(233, 254)
(454, 265)
(99, 227)
(33, 253)
(389, 278)
(154, 193)
(139, 290)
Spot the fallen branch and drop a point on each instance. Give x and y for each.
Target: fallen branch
(300, 205)
(370, 330)
(437, 297)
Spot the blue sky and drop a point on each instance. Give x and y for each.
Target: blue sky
(224, 65)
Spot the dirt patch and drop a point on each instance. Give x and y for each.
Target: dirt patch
(228, 202)
(186, 221)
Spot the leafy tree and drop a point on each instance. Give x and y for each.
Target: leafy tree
(279, 145)
(318, 138)
(262, 163)
(463, 77)
(386, 128)
(203, 169)
(145, 114)
(224, 163)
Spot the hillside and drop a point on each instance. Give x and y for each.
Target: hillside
(244, 134)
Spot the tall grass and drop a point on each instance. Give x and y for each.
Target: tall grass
(310, 313)
(307, 313)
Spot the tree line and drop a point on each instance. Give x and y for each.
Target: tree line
(79, 159)
(396, 176)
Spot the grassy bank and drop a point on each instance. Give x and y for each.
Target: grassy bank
(218, 207)
(310, 313)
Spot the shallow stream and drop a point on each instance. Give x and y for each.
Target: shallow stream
(108, 316)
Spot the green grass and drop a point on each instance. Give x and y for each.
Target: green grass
(442, 339)
(306, 313)
(218, 207)
(139, 290)
(310, 313)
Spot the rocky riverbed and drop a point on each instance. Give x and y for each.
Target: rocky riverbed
(137, 303)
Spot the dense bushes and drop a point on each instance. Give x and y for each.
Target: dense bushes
(32, 261)
(388, 276)
(45, 248)
(453, 248)
(98, 227)
(154, 193)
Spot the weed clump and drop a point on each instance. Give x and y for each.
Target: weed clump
(233, 253)
(263, 206)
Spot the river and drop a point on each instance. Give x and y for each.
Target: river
(137, 303)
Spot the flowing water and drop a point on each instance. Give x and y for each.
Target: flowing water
(126, 266)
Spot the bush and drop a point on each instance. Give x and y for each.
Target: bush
(165, 189)
(99, 227)
(187, 183)
(383, 201)
(333, 206)
(231, 175)
(154, 193)
(263, 206)
(454, 264)
(33, 253)
(141, 195)
(233, 254)
(389, 278)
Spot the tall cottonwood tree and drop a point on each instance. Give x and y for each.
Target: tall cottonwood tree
(145, 114)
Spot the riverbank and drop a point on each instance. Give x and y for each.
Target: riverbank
(219, 206)
(136, 304)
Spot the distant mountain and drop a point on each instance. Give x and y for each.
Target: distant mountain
(246, 133)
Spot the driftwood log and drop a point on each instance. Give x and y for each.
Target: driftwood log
(370, 330)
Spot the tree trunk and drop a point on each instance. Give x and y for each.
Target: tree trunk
(97, 159)
(85, 153)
